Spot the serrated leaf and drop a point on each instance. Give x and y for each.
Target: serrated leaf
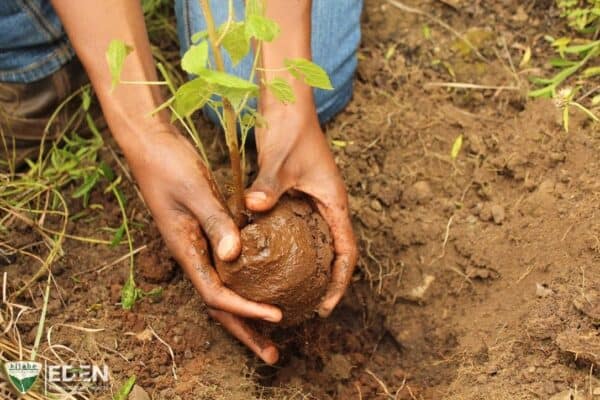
(115, 56)
(195, 59)
(235, 42)
(125, 389)
(261, 28)
(191, 96)
(309, 72)
(456, 146)
(282, 90)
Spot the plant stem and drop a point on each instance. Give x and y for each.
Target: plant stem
(237, 207)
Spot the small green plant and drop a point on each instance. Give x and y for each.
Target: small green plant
(574, 61)
(582, 15)
(226, 94)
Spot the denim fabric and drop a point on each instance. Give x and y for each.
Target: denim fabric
(33, 44)
(335, 38)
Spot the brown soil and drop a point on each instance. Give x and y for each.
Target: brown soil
(285, 260)
(477, 279)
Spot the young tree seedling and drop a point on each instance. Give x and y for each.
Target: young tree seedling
(226, 94)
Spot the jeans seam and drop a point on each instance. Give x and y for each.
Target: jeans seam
(38, 19)
(61, 55)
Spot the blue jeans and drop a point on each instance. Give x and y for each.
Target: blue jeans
(33, 44)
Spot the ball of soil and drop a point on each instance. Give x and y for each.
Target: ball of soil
(285, 259)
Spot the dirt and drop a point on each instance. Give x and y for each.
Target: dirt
(285, 259)
(477, 276)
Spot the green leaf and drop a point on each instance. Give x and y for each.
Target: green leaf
(309, 72)
(561, 63)
(115, 56)
(456, 146)
(596, 100)
(106, 171)
(88, 184)
(254, 7)
(282, 90)
(591, 71)
(227, 80)
(86, 99)
(125, 389)
(261, 28)
(198, 36)
(129, 294)
(229, 86)
(545, 92)
(118, 236)
(191, 96)
(195, 59)
(235, 41)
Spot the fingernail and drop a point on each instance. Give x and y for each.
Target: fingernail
(256, 196)
(226, 246)
(324, 312)
(273, 317)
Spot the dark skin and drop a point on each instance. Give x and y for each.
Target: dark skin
(172, 178)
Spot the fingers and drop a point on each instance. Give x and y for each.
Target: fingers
(346, 254)
(264, 192)
(188, 246)
(260, 345)
(218, 226)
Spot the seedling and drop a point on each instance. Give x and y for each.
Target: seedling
(226, 94)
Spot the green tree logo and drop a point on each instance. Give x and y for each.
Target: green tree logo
(22, 374)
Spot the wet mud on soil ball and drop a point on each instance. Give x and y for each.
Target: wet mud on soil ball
(285, 260)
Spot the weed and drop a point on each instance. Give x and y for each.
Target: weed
(575, 56)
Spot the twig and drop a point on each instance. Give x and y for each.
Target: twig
(174, 366)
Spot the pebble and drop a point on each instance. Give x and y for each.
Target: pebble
(542, 290)
(498, 213)
(422, 192)
(137, 393)
(376, 205)
(177, 339)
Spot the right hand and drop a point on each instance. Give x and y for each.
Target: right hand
(175, 185)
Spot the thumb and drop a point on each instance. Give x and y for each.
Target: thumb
(264, 192)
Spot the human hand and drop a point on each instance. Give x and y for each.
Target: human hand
(293, 154)
(176, 187)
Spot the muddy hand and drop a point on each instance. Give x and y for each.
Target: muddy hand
(175, 185)
(293, 154)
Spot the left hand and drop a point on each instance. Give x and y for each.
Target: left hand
(293, 154)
